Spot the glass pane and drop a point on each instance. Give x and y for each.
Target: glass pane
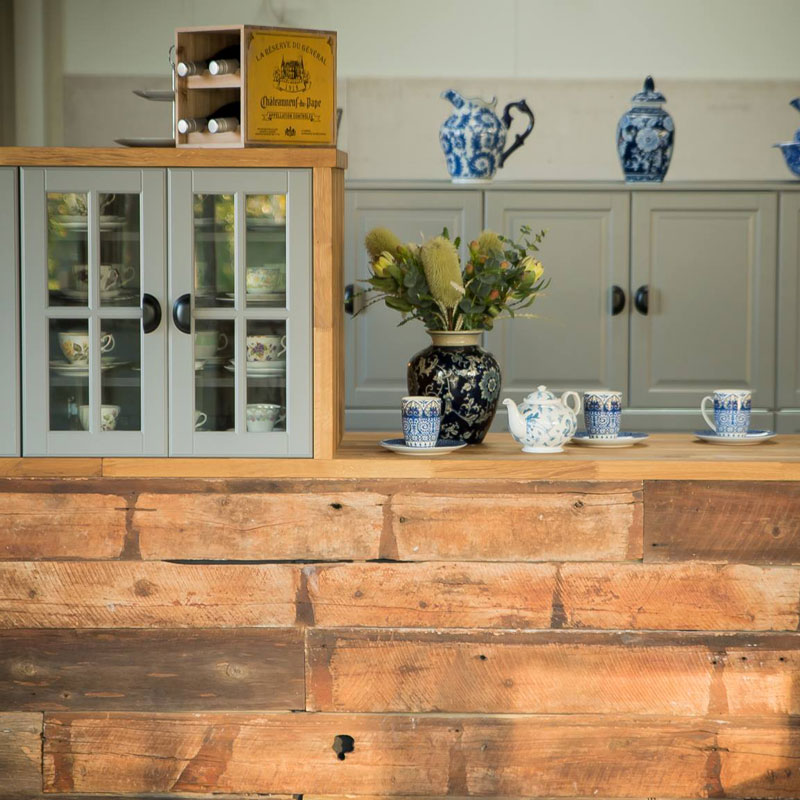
(69, 373)
(266, 250)
(215, 393)
(214, 249)
(121, 379)
(266, 376)
(67, 249)
(120, 247)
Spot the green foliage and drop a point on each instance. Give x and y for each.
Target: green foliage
(500, 278)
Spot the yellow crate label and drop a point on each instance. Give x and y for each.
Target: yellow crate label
(291, 83)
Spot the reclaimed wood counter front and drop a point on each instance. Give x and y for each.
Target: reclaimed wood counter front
(484, 624)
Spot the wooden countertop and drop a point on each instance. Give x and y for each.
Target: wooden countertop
(671, 456)
(252, 157)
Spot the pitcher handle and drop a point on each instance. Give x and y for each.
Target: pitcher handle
(522, 105)
(704, 412)
(565, 397)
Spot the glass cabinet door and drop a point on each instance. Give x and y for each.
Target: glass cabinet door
(9, 313)
(94, 348)
(240, 277)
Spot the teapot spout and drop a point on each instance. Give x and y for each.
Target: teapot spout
(795, 103)
(454, 97)
(516, 422)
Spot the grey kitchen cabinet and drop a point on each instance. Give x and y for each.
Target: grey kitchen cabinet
(377, 351)
(705, 254)
(165, 311)
(707, 261)
(789, 306)
(93, 246)
(9, 320)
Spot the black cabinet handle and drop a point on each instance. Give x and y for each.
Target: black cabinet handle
(349, 298)
(617, 300)
(151, 313)
(641, 299)
(182, 313)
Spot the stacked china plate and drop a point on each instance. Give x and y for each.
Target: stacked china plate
(260, 369)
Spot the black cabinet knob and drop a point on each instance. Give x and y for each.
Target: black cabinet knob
(641, 299)
(617, 300)
(151, 313)
(349, 298)
(182, 313)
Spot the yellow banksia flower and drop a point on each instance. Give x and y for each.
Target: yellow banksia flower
(489, 242)
(442, 269)
(379, 240)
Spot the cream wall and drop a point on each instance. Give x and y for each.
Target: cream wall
(728, 68)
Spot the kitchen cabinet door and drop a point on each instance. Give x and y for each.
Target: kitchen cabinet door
(578, 339)
(9, 318)
(708, 263)
(240, 260)
(94, 284)
(377, 350)
(789, 302)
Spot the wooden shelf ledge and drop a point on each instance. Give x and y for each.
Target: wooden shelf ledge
(670, 456)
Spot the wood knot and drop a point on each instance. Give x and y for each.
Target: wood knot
(235, 671)
(144, 588)
(578, 504)
(336, 506)
(343, 744)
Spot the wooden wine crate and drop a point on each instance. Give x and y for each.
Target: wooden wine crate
(286, 86)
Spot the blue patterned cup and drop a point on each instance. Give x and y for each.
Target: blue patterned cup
(731, 412)
(422, 417)
(602, 412)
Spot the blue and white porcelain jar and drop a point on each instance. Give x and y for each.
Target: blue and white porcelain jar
(645, 136)
(473, 137)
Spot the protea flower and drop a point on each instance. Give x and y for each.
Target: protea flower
(442, 269)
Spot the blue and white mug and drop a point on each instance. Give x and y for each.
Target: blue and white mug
(602, 413)
(731, 412)
(422, 418)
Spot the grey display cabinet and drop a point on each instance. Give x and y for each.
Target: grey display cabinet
(165, 311)
(665, 292)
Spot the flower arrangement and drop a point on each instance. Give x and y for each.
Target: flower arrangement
(428, 282)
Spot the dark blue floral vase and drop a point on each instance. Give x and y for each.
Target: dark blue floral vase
(645, 136)
(467, 379)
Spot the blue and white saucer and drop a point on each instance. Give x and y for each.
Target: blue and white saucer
(623, 439)
(439, 449)
(752, 437)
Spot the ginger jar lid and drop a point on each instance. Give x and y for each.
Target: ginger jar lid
(649, 93)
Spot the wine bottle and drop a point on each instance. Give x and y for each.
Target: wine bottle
(223, 66)
(186, 68)
(225, 118)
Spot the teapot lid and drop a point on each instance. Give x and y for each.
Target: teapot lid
(542, 396)
(649, 93)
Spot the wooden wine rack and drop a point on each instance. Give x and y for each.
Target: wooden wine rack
(199, 95)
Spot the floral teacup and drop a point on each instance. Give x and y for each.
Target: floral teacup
(75, 345)
(208, 344)
(108, 417)
(265, 347)
(265, 279)
(200, 418)
(264, 416)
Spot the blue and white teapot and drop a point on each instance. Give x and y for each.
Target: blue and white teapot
(473, 137)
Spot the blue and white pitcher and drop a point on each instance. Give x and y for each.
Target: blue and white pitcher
(473, 137)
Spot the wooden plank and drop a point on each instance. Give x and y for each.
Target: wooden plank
(122, 594)
(590, 523)
(61, 525)
(44, 467)
(680, 596)
(304, 525)
(748, 522)
(529, 756)
(552, 672)
(178, 670)
(278, 157)
(20, 755)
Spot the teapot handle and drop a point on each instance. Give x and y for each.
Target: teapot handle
(566, 396)
(521, 137)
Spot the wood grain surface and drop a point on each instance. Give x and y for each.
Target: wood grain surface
(252, 525)
(528, 756)
(177, 670)
(103, 594)
(20, 755)
(747, 522)
(553, 672)
(680, 596)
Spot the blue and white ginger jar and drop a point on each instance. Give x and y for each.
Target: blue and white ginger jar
(791, 150)
(645, 136)
(473, 137)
